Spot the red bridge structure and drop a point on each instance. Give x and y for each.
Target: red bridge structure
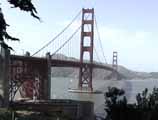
(32, 75)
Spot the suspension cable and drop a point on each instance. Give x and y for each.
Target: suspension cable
(95, 49)
(66, 41)
(100, 39)
(58, 34)
(97, 55)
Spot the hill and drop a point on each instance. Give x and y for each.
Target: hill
(124, 72)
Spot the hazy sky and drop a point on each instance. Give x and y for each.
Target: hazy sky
(127, 26)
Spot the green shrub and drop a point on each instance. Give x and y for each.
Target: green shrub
(5, 114)
(117, 107)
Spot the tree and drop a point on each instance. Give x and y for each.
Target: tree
(24, 5)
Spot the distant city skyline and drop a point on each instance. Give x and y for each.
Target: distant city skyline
(129, 27)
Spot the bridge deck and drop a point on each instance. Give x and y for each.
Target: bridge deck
(60, 63)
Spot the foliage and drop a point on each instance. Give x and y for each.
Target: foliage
(113, 95)
(117, 107)
(24, 5)
(149, 101)
(5, 114)
(3, 32)
(114, 98)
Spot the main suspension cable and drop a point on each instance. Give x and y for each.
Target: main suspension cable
(58, 34)
(68, 39)
(100, 39)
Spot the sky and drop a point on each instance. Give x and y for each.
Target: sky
(129, 27)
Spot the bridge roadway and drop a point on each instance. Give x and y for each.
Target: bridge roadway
(58, 62)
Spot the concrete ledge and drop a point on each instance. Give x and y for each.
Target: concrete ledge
(77, 110)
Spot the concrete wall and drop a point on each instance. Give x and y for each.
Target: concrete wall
(72, 109)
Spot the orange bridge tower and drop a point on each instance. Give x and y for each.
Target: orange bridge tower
(87, 36)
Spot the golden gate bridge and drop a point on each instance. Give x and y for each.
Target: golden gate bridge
(34, 73)
(31, 74)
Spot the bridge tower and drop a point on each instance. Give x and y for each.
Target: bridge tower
(115, 65)
(85, 72)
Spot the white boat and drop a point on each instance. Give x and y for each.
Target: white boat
(85, 91)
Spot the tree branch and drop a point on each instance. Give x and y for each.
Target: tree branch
(25, 5)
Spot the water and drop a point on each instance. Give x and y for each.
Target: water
(60, 86)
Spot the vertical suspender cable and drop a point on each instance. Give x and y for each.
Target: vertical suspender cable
(66, 41)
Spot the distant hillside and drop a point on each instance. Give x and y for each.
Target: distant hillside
(129, 74)
(99, 73)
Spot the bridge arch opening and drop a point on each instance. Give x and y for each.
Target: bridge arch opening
(87, 16)
(87, 41)
(87, 27)
(86, 56)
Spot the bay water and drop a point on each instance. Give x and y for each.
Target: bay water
(61, 85)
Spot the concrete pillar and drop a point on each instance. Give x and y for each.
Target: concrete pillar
(48, 83)
(27, 54)
(4, 76)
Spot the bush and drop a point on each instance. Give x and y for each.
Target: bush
(5, 114)
(117, 107)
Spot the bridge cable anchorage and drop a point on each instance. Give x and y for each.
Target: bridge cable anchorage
(99, 39)
(47, 44)
(66, 41)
